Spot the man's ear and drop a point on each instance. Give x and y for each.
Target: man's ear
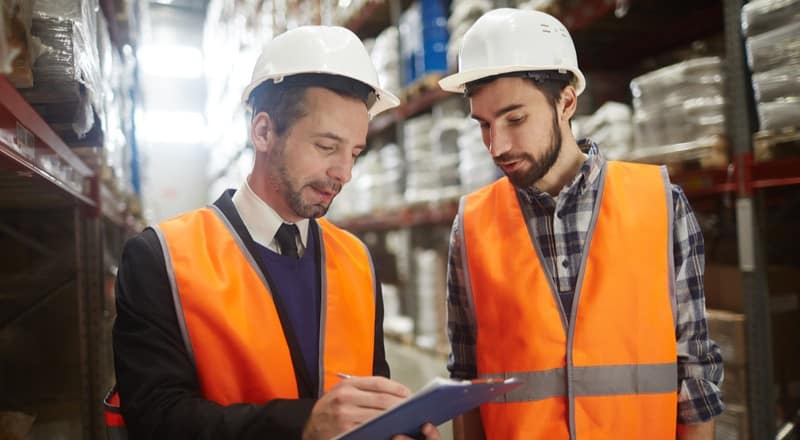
(569, 103)
(262, 132)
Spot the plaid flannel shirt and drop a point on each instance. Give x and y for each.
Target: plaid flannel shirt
(560, 228)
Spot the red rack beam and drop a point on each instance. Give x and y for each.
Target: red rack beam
(14, 112)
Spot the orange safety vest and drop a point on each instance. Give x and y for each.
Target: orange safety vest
(612, 374)
(230, 323)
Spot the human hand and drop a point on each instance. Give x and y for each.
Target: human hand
(429, 432)
(350, 403)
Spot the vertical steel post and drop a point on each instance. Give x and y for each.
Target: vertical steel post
(740, 117)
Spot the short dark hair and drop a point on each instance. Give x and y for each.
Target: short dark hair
(285, 101)
(550, 82)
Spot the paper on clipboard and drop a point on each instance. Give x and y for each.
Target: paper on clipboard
(437, 402)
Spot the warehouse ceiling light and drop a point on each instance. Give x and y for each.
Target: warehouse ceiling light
(171, 61)
(171, 127)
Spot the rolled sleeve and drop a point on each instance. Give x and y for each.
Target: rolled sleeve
(700, 368)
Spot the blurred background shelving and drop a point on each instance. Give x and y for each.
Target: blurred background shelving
(118, 113)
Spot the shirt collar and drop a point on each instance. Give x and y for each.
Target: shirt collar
(260, 219)
(586, 177)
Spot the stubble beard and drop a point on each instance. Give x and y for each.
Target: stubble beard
(293, 193)
(536, 169)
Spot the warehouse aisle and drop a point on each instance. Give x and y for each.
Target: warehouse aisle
(414, 368)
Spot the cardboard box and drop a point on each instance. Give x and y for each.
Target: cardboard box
(727, 330)
(734, 386)
(15, 425)
(723, 288)
(732, 424)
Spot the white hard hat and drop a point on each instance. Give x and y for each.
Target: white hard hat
(329, 50)
(513, 40)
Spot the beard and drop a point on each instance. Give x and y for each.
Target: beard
(536, 169)
(292, 191)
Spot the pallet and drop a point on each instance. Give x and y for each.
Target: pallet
(421, 86)
(775, 144)
(704, 153)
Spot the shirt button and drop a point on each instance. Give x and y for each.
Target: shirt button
(560, 214)
(565, 263)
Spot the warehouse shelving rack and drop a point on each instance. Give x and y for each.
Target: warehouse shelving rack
(59, 226)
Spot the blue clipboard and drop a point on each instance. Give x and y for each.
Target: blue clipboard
(437, 402)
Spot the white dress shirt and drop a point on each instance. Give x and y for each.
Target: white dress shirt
(262, 221)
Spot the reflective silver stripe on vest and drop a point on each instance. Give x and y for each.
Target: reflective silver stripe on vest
(673, 295)
(467, 279)
(173, 287)
(323, 308)
(592, 381)
(571, 369)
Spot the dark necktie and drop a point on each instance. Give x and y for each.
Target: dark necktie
(287, 239)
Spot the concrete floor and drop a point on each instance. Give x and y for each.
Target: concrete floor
(414, 368)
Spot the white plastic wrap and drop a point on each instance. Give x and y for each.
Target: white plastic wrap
(778, 83)
(430, 280)
(476, 167)
(678, 103)
(462, 17)
(386, 57)
(759, 16)
(431, 152)
(671, 85)
(776, 48)
(778, 114)
(611, 127)
(67, 72)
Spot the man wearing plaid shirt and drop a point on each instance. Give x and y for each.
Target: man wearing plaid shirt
(579, 276)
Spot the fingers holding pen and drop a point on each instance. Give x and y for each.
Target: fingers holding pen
(351, 402)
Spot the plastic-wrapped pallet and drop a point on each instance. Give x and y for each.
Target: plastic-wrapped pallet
(410, 26)
(385, 54)
(773, 53)
(463, 14)
(759, 16)
(611, 127)
(784, 112)
(421, 175)
(435, 35)
(424, 35)
(66, 75)
(776, 48)
(678, 103)
(476, 167)
(430, 282)
(393, 171)
(431, 160)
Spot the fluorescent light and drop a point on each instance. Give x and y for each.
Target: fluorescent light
(171, 61)
(172, 127)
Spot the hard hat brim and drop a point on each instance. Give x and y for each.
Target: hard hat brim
(456, 83)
